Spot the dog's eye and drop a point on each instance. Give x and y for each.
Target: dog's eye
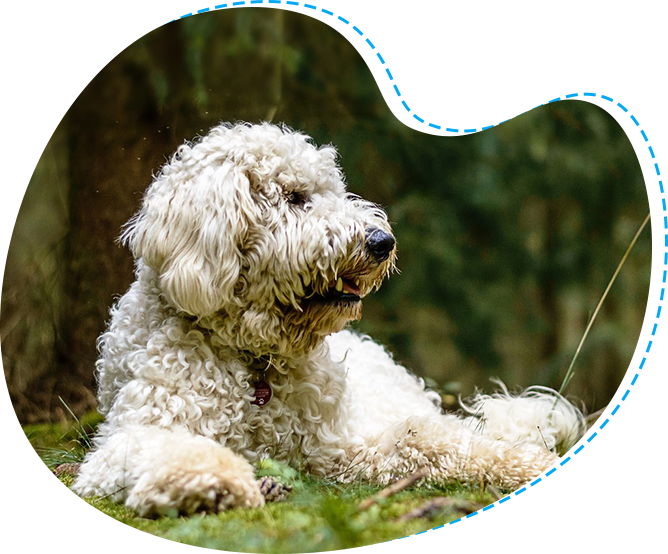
(295, 198)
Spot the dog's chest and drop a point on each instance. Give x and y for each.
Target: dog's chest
(300, 418)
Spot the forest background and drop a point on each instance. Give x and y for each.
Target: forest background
(507, 238)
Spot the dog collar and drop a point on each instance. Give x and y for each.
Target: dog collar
(263, 393)
(263, 390)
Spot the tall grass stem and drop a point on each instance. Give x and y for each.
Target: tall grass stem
(571, 368)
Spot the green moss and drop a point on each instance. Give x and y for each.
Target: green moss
(318, 515)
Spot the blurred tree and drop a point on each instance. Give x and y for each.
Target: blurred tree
(513, 236)
(506, 238)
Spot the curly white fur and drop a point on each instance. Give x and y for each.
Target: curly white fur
(240, 243)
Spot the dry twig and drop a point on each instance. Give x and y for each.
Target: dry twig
(433, 507)
(393, 489)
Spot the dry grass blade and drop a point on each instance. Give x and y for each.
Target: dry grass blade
(571, 372)
(591, 418)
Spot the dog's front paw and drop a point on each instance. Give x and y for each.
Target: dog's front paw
(194, 492)
(207, 480)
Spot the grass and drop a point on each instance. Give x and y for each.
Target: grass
(571, 368)
(318, 515)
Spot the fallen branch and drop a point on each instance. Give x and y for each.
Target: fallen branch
(433, 507)
(393, 489)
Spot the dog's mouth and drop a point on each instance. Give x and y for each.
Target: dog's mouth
(342, 289)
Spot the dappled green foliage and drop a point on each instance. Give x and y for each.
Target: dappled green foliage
(507, 238)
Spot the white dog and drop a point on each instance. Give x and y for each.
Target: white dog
(229, 348)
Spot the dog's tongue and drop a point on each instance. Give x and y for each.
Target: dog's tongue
(350, 287)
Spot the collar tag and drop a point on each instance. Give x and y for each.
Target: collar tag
(263, 393)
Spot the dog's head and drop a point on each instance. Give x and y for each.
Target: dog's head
(251, 232)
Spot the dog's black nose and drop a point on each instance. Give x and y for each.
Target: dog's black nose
(379, 243)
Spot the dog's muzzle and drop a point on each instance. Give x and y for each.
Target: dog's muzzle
(379, 243)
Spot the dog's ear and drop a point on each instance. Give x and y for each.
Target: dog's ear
(191, 229)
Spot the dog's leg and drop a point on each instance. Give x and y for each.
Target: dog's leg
(451, 451)
(403, 429)
(157, 471)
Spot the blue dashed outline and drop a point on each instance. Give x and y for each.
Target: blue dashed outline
(439, 127)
